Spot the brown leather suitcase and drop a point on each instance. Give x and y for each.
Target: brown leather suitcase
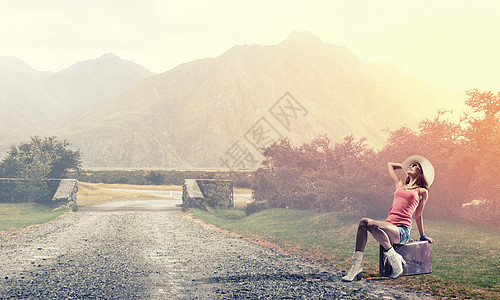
(418, 257)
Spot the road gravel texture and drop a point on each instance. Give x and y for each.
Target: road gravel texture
(139, 252)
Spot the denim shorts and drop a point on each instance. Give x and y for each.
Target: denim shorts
(404, 234)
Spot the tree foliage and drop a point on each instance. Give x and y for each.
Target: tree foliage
(483, 136)
(349, 176)
(316, 175)
(38, 160)
(55, 156)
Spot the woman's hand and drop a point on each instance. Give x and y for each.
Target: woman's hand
(428, 239)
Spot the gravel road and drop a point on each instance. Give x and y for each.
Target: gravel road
(154, 251)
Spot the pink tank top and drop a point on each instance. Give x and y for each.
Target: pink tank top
(404, 205)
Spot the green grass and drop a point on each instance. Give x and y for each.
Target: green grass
(465, 258)
(16, 215)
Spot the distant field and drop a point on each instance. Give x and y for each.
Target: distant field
(134, 186)
(98, 193)
(151, 187)
(466, 259)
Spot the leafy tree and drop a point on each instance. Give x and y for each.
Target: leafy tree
(484, 103)
(34, 166)
(443, 144)
(59, 159)
(483, 135)
(316, 175)
(441, 141)
(38, 160)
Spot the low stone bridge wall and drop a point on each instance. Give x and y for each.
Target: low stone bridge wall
(66, 194)
(61, 192)
(205, 193)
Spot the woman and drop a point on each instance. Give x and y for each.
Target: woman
(409, 198)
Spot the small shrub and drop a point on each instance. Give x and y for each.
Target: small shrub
(240, 206)
(255, 206)
(484, 212)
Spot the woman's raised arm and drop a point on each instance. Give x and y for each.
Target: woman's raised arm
(392, 173)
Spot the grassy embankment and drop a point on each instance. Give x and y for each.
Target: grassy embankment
(465, 258)
(16, 215)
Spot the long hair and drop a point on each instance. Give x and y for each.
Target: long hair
(420, 181)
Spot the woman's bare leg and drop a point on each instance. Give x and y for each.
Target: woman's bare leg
(362, 235)
(385, 233)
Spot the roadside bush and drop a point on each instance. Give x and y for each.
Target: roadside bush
(35, 162)
(255, 206)
(155, 178)
(316, 176)
(45, 157)
(240, 205)
(485, 213)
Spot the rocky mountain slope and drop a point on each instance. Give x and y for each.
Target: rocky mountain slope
(216, 112)
(32, 99)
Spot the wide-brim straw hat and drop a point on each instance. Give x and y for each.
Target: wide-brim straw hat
(427, 168)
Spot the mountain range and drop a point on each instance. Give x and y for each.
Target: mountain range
(32, 99)
(217, 112)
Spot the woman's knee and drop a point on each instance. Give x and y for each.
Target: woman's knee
(364, 222)
(371, 226)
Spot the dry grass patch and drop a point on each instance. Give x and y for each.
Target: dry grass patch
(137, 187)
(98, 193)
(240, 205)
(243, 190)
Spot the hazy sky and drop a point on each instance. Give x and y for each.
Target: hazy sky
(450, 43)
